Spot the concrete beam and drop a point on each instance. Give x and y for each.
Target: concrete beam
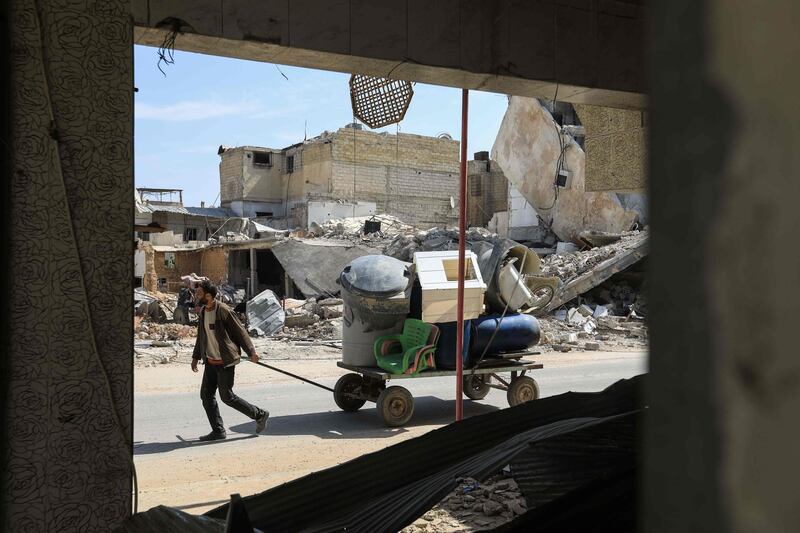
(585, 52)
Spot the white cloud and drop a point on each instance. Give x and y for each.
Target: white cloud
(194, 110)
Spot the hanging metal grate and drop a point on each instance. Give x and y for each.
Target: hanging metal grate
(378, 102)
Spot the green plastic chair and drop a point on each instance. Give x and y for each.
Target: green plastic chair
(410, 352)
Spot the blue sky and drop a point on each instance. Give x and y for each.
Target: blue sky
(205, 101)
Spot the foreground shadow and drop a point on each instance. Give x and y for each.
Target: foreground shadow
(364, 423)
(145, 448)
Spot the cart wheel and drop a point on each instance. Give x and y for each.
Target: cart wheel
(348, 384)
(476, 386)
(395, 405)
(523, 389)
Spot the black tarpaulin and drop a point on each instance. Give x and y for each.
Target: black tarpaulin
(417, 473)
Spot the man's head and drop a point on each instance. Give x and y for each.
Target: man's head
(206, 292)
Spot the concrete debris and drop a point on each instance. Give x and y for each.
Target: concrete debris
(352, 228)
(403, 246)
(608, 333)
(473, 506)
(571, 265)
(163, 332)
(600, 311)
(598, 238)
(582, 271)
(313, 319)
(245, 229)
(158, 307)
(565, 248)
(300, 317)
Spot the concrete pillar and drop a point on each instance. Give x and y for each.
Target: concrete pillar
(253, 273)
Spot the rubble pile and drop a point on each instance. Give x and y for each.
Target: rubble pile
(315, 319)
(352, 228)
(149, 330)
(473, 506)
(590, 333)
(156, 306)
(570, 265)
(402, 247)
(620, 298)
(323, 330)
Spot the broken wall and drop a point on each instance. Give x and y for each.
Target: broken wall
(311, 174)
(262, 183)
(616, 148)
(487, 192)
(68, 373)
(527, 149)
(408, 176)
(211, 262)
(240, 178)
(178, 223)
(231, 168)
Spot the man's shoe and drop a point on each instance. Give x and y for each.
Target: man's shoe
(214, 435)
(261, 421)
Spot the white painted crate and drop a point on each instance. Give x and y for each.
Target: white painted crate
(438, 276)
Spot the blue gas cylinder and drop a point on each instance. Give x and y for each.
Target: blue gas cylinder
(517, 332)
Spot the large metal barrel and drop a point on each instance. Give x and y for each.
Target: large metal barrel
(376, 291)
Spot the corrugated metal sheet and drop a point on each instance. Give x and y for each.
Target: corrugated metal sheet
(265, 315)
(213, 212)
(386, 490)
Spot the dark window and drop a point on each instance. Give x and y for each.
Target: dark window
(190, 234)
(144, 235)
(263, 213)
(289, 164)
(262, 158)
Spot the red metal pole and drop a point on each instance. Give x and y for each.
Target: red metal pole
(462, 232)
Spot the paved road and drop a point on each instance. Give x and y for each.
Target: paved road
(306, 432)
(164, 421)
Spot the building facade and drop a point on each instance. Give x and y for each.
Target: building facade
(413, 177)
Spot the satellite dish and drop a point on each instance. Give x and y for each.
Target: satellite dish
(452, 203)
(445, 135)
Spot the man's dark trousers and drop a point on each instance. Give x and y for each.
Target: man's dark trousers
(218, 376)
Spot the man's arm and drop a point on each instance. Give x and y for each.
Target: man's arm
(198, 343)
(239, 334)
(196, 353)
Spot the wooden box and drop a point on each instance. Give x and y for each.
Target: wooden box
(438, 276)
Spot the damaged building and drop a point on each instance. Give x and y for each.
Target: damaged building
(162, 219)
(348, 172)
(541, 155)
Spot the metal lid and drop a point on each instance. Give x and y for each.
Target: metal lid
(375, 275)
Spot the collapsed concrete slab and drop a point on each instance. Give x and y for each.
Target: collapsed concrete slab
(582, 271)
(315, 265)
(527, 149)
